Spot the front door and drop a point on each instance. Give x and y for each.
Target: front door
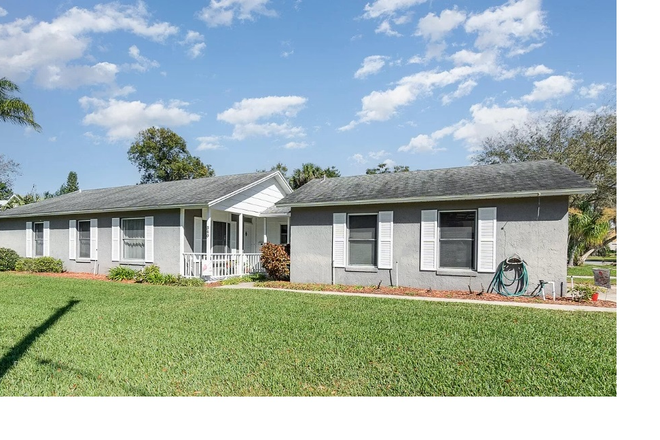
(248, 239)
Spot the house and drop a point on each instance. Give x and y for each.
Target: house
(442, 229)
(216, 223)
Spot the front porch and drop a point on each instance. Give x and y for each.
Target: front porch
(218, 243)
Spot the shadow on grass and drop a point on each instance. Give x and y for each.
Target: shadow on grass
(17, 351)
(133, 391)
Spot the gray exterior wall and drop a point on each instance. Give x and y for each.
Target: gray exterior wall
(166, 239)
(535, 229)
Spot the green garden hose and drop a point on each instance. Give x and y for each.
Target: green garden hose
(501, 282)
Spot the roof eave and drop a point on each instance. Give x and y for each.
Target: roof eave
(519, 194)
(101, 211)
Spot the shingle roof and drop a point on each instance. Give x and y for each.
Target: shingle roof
(449, 183)
(156, 195)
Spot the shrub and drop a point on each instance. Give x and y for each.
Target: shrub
(189, 282)
(275, 260)
(8, 259)
(150, 274)
(40, 264)
(120, 273)
(583, 292)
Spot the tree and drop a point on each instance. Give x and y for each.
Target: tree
(586, 145)
(161, 156)
(383, 168)
(13, 109)
(8, 169)
(71, 185)
(279, 166)
(19, 200)
(310, 171)
(588, 231)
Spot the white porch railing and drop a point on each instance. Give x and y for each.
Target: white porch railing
(222, 265)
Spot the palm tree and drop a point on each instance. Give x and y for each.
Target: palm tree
(13, 109)
(588, 230)
(310, 171)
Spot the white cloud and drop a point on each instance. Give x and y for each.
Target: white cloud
(224, 12)
(3, 11)
(382, 105)
(388, 7)
(358, 158)
(386, 28)
(539, 69)
(378, 154)
(507, 25)
(142, 63)
(426, 144)
(52, 139)
(45, 49)
(286, 54)
(295, 145)
(195, 42)
(371, 65)
(464, 89)
(209, 143)
(593, 90)
(435, 27)
(124, 119)
(245, 114)
(389, 163)
(552, 87)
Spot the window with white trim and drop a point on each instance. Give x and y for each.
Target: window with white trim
(84, 239)
(133, 239)
(362, 239)
(456, 237)
(38, 229)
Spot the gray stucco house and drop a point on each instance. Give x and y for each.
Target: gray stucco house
(212, 226)
(441, 229)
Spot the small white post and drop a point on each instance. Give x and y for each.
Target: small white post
(240, 244)
(209, 241)
(265, 230)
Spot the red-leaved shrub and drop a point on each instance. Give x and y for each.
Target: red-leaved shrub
(275, 261)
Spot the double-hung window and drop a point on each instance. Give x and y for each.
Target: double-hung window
(457, 239)
(362, 239)
(133, 239)
(84, 239)
(38, 239)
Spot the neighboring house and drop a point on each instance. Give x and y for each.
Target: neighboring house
(441, 229)
(175, 225)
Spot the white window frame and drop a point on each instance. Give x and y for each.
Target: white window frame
(43, 240)
(121, 239)
(348, 240)
(78, 257)
(475, 240)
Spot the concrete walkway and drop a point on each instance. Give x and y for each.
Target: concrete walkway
(549, 305)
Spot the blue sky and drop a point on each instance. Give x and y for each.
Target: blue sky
(249, 83)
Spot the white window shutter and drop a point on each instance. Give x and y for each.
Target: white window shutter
(28, 239)
(197, 236)
(429, 240)
(72, 239)
(115, 239)
(385, 237)
(93, 239)
(339, 239)
(46, 238)
(487, 229)
(233, 231)
(149, 239)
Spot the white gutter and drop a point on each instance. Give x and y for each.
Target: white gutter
(100, 211)
(443, 198)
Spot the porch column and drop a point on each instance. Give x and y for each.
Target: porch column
(240, 243)
(209, 240)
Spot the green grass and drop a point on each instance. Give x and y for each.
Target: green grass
(128, 339)
(587, 270)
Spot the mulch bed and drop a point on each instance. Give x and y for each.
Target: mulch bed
(383, 290)
(454, 294)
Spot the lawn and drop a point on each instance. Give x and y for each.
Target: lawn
(587, 270)
(81, 337)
